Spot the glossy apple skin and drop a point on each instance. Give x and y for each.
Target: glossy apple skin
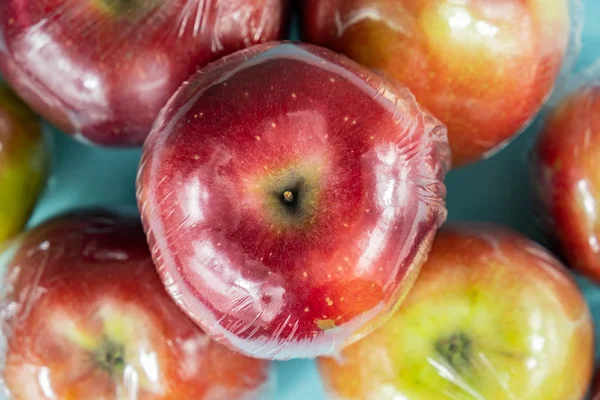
(372, 163)
(24, 162)
(62, 276)
(483, 67)
(530, 329)
(102, 73)
(566, 178)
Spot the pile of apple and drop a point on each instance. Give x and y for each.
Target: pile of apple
(291, 201)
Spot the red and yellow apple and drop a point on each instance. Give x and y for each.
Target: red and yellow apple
(24, 162)
(85, 316)
(102, 69)
(483, 67)
(491, 316)
(566, 174)
(289, 197)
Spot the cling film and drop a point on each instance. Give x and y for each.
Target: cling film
(85, 316)
(492, 316)
(101, 70)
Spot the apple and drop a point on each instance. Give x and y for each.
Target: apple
(566, 178)
(102, 69)
(289, 197)
(86, 316)
(595, 393)
(491, 316)
(24, 162)
(483, 67)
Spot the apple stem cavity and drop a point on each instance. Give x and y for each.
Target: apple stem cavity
(289, 198)
(456, 350)
(110, 356)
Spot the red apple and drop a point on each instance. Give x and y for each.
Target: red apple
(290, 196)
(483, 67)
(102, 69)
(86, 317)
(566, 162)
(595, 393)
(24, 162)
(491, 316)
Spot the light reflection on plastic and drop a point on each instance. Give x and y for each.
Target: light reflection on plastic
(44, 381)
(460, 19)
(44, 51)
(149, 363)
(132, 382)
(589, 203)
(486, 29)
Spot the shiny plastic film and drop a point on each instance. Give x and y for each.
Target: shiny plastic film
(293, 222)
(565, 172)
(85, 316)
(492, 316)
(102, 69)
(484, 68)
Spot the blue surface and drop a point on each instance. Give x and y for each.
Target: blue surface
(496, 190)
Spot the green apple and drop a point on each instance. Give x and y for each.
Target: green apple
(24, 162)
(492, 316)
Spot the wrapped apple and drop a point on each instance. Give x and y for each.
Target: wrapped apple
(491, 316)
(85, 316)
(567, 178)
(483, 67)
(24, 162)
(102, 69)
(290, 196)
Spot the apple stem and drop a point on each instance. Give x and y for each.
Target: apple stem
(288, 196)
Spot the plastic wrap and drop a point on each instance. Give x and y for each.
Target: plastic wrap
(566, 177)
(492, 316)
(102, 69)
(290, 196)
(85, 316)
(483, 68)
(24, 162)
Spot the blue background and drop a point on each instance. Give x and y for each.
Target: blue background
(495, 190)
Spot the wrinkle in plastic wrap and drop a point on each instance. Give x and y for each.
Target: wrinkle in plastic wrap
(492, 316)
(289, 197)
(102, 69)
(85, 316)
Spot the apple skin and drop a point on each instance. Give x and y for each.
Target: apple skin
(24, 162)
(364, 162)
(81, 283)
(102, 69)
(566, 180)
(483, 67)
(491, 316)
(595, 392)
